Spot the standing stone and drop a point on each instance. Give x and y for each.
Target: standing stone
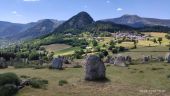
(120, 61)
(3, 63)
(146, 59)
(167, 57)
(128, 59)
(160, 58)
(94, 68)
(112, 60)
(57, 63)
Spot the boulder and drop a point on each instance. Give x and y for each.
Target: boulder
(160, 58)
(112, 60)
(167, 57)
(94, 68)
(128, 59)
(146, 59)
(120, 61)
(57, 63)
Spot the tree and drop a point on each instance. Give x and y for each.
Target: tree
(135, 44)
(94, 43)
(112, 43)
(154, 40)
(160, 40)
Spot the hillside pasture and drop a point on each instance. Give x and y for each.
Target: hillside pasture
(128, 81)
(155, 51)
(67, 51)
(56, 47)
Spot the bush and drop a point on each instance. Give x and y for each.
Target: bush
(121, 49)
(38, 83)
(8, 84)
(168, 76)
(8, 90)
(62, 82)
(105, 53)
(114, 50)
(9, 78)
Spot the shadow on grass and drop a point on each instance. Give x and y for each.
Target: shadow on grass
(101, 80)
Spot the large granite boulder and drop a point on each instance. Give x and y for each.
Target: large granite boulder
(94, 68)
(57, 63)
(167, 57)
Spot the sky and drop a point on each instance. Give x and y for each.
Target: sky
(24, 11)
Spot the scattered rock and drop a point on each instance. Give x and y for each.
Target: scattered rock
(120, 61)
(160, 58)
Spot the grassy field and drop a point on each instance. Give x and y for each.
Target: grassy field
(67, 51)
(147, 51)
(123, 81)
(56, 47)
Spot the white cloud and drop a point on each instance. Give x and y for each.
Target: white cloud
(31, 0)
(16, 13)
(119, 9)
(108, 1)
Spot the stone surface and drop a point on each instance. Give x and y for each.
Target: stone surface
(120, 61)
(57, 63)
(3, 63)
(94, 68)
(146, 59)
(167, 57)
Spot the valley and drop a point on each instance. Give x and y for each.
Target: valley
(84, 57)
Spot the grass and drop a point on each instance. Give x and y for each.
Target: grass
(56, 47)
(67, 51)
(123, 81)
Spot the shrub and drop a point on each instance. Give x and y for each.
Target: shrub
(114, 50)
(38, 83)
(121, 49)
(8, 90)
(8, 84)
(168, 76)
(9, 78)
(62, 82)
(105, 53)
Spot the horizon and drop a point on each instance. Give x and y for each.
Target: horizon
(25, 11)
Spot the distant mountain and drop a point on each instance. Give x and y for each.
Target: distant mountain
(7, 28)
(42, 27)
(137, 21)
(78, 21)
(18, 31)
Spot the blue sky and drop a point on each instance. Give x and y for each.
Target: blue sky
(23, 11)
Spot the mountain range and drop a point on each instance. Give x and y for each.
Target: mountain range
(137, 21)
(81, 21)
(27, 31)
